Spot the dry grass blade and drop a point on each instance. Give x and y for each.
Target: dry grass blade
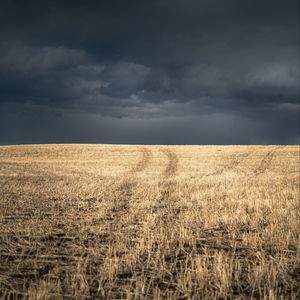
(149, 222)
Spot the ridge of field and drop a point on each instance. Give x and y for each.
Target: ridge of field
(149, 222)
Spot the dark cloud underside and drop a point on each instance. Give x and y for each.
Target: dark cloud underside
(193, 71)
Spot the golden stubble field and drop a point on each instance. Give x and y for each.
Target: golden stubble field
(149, 222)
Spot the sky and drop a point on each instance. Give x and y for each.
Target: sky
(149, 72)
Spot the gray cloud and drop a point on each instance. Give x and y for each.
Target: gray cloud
(182, 65)
(21, 60)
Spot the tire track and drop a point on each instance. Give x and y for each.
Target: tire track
(115, 220)
(164, 206)
(123, 192)
(143, 163)
(233, 164)
(173, 163)
(163, 233)
(133, 228)
(266, 161)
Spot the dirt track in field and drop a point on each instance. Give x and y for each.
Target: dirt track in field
(164, 207)
(123, 193)
(143, 162)
(266, 161)
(232, 165)
(172, 165)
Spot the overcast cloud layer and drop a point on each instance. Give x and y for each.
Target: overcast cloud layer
(159, 71)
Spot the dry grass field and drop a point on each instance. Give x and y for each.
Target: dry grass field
(149, 222)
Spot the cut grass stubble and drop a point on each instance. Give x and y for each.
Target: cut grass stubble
(150, 222)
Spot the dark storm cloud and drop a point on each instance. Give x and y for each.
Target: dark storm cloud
(207, 63)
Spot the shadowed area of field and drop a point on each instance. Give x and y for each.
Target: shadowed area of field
(149, 222)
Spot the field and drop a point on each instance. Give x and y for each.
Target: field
(149, 222)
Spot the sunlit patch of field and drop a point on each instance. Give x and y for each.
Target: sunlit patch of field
(149, 222)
